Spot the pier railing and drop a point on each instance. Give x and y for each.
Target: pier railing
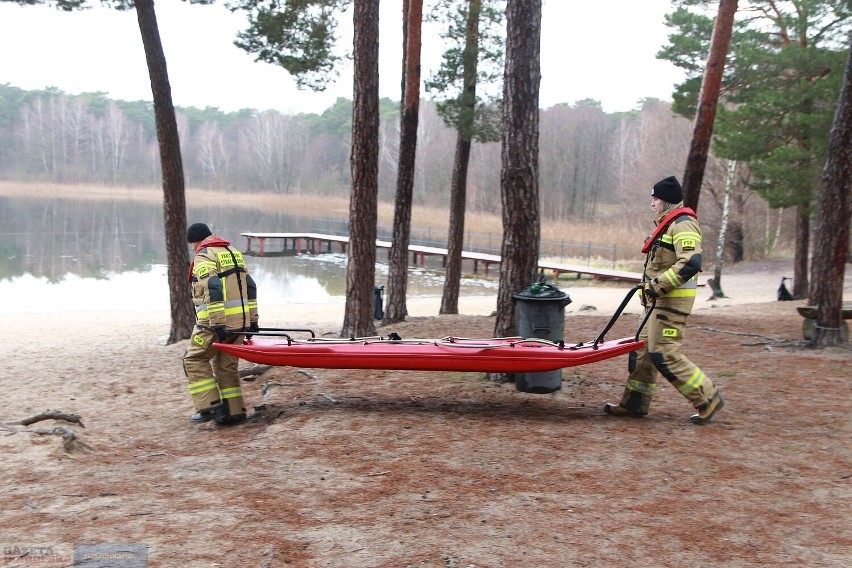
(487, 243)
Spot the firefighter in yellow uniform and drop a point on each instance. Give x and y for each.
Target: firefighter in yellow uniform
(225, 298)
(670, 277)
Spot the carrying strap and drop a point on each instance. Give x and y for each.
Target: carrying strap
(664, 224)
(243, 295)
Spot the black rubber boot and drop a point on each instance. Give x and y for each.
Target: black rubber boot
(231, 420)
(205, 415)
(618, 410)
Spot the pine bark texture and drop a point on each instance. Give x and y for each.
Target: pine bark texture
(800, 258)
(519, 172)
(174, 198)
(364, 162)
(398, 270)
(708, 100)
(455, 236)
(461, 163)
(831, 239)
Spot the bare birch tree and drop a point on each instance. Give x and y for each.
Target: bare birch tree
(716, 282)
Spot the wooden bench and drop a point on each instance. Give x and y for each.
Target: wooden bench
(810, 315)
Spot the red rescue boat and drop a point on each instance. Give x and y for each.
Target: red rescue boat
(497, 355)
(275, 346)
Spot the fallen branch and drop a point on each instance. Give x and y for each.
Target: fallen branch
(377, 474)
(253, 370)
(774, 343)
(269, 384)
(331, 399)
(69, 436)
(50, 415)
(767, 338)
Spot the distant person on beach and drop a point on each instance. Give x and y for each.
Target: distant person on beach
(670, 278)
(225, 298)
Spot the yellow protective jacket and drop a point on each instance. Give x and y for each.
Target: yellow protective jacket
(222, 290)
(674, 261)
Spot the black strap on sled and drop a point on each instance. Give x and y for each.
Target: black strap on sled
(617, 314)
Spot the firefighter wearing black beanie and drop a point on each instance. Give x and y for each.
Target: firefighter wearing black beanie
(197, 232)
(668, 189)
(669, 286)
(225, 299)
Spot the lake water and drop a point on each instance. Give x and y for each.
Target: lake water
(71, 255)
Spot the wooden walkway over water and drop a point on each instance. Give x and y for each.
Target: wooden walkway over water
(284, 244)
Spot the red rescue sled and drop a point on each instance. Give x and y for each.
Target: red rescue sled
(498, 355)
(274, 346)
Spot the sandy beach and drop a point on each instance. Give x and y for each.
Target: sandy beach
(377, 468)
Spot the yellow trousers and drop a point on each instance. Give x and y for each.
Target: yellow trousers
(212, 374)
(664, 335)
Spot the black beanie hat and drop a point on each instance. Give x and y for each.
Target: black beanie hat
(197, 232)
(668, 189)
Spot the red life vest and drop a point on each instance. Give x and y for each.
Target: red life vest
(664, 224)
(209, 242)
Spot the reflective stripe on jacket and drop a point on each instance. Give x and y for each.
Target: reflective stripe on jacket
(223, 291)
(674, 261)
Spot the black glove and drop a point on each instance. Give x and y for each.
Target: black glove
(254, 326)
(222, 335)
(649, 291)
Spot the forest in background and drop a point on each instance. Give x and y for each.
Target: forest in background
(596, 168)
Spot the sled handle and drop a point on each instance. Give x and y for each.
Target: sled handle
(277, 332)
(267, 331)
(617, 314)
(648, 311)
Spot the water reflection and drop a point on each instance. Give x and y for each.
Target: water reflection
(67, 254)
(52, 238)
(281, 281)
(115, 292)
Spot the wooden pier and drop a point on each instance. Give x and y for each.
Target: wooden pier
(284, 244)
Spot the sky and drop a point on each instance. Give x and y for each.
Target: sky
(591, 49)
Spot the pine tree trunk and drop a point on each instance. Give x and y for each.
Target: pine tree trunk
(364, 161)
(398, 276)
(800, 260)
(519, 173)
(735, 241)
(455, 239)
(708, 100)
(831, 240)
(458, 185)
(174, 199)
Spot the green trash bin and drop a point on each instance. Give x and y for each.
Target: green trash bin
(540, 314)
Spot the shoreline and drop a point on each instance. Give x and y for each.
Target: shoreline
(327, 317)
(755, 283)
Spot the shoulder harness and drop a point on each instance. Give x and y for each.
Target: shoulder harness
(664, 224)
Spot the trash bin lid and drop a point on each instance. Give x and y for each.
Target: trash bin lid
(539, 291)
